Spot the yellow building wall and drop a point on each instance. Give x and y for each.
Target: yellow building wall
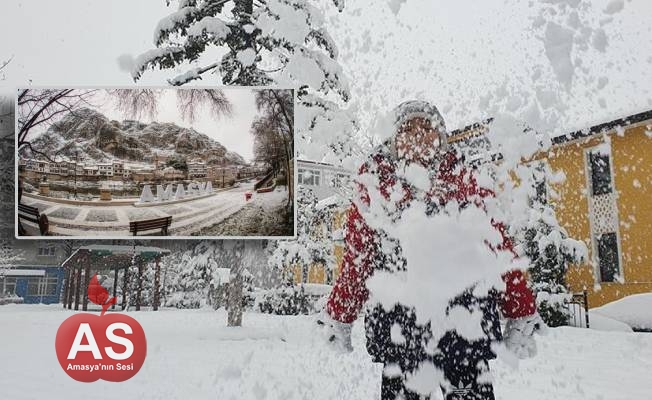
(317, 272)
(632, 168)
(297, 274)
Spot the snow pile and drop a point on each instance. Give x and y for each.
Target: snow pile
(601, 323)
(193, 355)
(634, 310)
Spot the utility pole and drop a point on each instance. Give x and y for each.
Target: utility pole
(76, 163)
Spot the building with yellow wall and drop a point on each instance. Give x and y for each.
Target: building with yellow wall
(324, 180)
(605, 201)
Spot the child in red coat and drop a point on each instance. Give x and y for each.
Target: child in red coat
(421, 138)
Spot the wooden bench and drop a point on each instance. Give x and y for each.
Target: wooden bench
(31, 214)
(150, 224)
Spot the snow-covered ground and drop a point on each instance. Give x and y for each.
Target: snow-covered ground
(214, 215)
(634, 311)
(266, 214)
(193, 355)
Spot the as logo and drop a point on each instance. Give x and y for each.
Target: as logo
(106, 346)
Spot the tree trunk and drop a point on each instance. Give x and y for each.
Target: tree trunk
(77, 285)
(235, 300)
(66, 287)
(157, 284)
(115, 287)
(125, 288)
(288, 158)
(234, 297)
(87, 281)
(139, 285)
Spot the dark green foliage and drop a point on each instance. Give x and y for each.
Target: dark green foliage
(290, 300)
(551, 251)
(177, 163)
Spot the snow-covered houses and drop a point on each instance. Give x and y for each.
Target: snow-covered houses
(198, 169)
(115, 169)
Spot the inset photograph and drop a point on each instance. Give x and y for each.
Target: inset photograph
(158, 162)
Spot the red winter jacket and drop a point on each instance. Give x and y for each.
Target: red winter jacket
(350, 292)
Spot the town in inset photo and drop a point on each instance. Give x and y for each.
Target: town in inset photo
(196, 162)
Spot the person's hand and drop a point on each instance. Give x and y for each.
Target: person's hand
(519, 335)
(336, 333)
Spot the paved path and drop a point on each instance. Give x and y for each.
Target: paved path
(188, 217)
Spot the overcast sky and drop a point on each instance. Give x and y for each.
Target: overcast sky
(450, 53)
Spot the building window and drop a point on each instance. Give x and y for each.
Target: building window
(540, 184)
(608, 257)
(329, 276)
(42, 286)
(541, 192)
(33, 286)
(7, 286)
(600, 169)
(309, 177)
(49, 250)
(49, 285)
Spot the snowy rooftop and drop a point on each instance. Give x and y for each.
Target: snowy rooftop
(22, 272)
(328, 201)
(124, 249)
(562, 137)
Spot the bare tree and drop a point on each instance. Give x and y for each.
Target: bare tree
(190, 100)
(278, 103)
(274, 129)
(136, 103)
(37, 107)
(3, 64)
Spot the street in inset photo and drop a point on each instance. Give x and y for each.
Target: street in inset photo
(112, 162)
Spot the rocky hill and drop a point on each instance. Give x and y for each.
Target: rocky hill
(97, 138)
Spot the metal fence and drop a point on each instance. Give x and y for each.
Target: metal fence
(578, 307)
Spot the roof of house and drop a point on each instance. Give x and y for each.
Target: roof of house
(583, 133)
(120, 255)
(22, 272)
(321, 164)
(604, 127)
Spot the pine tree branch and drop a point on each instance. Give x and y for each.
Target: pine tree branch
(184, 78)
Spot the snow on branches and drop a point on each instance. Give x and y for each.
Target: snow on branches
(547, 245)
(280, 42)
